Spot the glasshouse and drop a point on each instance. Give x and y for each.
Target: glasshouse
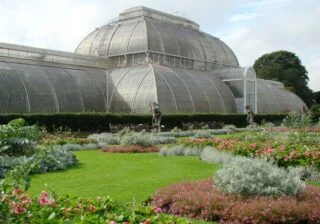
(143, 56)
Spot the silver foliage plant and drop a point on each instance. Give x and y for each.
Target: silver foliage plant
(212, 155)
(136, 138)
(108, 138)
(244, 176)
(179, 150)
(132, 138)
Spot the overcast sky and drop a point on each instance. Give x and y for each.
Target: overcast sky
(250, 27)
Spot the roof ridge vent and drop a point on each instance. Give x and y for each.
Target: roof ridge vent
(141, 11)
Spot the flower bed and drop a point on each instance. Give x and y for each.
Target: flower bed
(18, 207)
(203, 201)
(286, 149)
(130, 149)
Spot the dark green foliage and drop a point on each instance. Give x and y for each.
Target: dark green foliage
(17, 140)
(315, 112)
(316, 96)
(285, 67)
(17, 123)
(94, 122)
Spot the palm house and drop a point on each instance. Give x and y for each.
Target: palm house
(143, 56)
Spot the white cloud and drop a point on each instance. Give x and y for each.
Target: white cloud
(292, 25)
(314, 72)
(243, 16)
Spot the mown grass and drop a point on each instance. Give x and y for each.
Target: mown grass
(124, 177)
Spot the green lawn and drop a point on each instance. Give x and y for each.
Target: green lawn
(125, 177)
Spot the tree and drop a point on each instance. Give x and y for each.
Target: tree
(285, 67)
(317, 97)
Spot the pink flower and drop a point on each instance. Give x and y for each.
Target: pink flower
(253, 145)
(286, 158)
(17, 191)
(157, 210)
(92, 208)
(293, 153)
(268, 151)
(67, 209)
(44, 194)
(147, 221)
(307, 154)
(26, 201)
(45, 199)
(18, 210)
(113, 222)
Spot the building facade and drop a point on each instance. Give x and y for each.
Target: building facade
(144, 56)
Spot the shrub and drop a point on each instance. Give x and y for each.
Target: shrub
(18, 140)
(211, 155)
(54, 159)
(315, 113)
(230, 127)
(17, 123)
(202, 134)
(158, 140)
(176, 134)
(220, 131)
(130, 149)
(244, 176)
(308, 173)
(295, 120)
(179, 150)
(106, 138)
(9, 162)
(77, 147)
(100, 121)
(136, 138)
(202, 200)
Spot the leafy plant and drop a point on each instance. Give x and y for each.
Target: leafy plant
(201, 200)
(179, 150)
(136, 138)
(18, 140)
(244, 176)
(106, 138)
(202, 134)
(295, 120)
(212, 155)
(18, 207)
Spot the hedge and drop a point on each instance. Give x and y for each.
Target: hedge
(95, 122)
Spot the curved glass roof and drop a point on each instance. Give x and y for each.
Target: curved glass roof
(141, 33)
(274, 98)
(30, 88)
(175, 90)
